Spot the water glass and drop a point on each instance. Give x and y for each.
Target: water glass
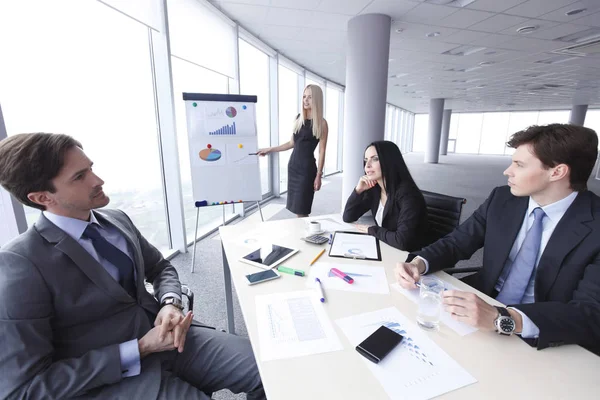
(430, 302)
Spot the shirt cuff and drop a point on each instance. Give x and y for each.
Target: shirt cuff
(530, 330)
(169, 294)
(426, 264)
(130, 358)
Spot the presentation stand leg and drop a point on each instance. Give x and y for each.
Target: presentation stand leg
(228, 293)
(260, 211)
(195, 239)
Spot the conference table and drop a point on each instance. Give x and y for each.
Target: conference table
(505, 367)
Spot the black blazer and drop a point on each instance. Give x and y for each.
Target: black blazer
(567, 283)
(404, 222)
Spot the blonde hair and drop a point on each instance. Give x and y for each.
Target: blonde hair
(317, 112)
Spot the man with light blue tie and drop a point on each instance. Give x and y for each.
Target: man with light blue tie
(76, 320)
(541, 240)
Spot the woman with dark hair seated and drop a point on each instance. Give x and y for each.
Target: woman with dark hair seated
(390, 192)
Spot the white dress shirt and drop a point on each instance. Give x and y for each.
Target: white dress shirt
(379, 214)
(554, 213)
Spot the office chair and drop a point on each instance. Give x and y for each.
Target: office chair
(443, 216)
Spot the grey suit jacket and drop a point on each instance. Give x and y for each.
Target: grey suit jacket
(62, 316)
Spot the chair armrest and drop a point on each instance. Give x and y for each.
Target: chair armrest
(187, 292)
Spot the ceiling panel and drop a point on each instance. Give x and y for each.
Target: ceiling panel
(535, 8)
(348, 7)
(591, 7)
(313, 34)
(494, 5)
(393, 8)
(465, 18)
(426, 13)
(497, 23)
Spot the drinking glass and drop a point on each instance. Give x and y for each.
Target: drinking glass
(430, 302)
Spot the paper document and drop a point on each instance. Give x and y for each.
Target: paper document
(460, 328)
(354, 245)
(367, 279)
(293, 324)
(415, 369)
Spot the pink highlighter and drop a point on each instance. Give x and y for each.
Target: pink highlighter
(342, 275)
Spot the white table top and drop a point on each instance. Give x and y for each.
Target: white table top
(503, 366)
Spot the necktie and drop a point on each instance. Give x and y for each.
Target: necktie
(522, 267)
(113, 255)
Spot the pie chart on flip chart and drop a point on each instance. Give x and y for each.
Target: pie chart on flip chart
(231, 112)
(210, 154)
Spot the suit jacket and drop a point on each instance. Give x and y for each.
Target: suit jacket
(404, 222)
(62, 316)
(567, 283)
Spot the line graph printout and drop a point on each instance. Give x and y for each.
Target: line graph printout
(293, 324)
(415, 369)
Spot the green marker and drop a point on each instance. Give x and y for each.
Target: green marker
(290, 271)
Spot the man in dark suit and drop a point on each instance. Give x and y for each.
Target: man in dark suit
(75, 318)
(541, 239)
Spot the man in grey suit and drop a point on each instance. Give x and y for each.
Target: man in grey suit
(75, 318)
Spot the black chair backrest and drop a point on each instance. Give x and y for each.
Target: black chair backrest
(443, 214)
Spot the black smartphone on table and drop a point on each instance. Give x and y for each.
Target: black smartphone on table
(379, 344)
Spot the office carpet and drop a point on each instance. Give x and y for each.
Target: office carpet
(469, 176)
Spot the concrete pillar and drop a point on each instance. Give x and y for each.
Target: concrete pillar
(577, 116)
(367, 56)
(432, 151)
(445, 132)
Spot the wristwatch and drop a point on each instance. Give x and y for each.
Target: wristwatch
(173, 301)
(504, 323)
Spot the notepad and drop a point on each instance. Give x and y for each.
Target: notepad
(355, 245)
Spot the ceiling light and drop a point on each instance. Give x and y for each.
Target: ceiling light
(433, 34)
(575, 11)
(489, 53)
(463, 51)
(486, 63)
(391, 60)
(527, 29)
(453, 3)
(399, 30)
(580, 37)
(480, 86)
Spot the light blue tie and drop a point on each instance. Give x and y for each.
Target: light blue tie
(522, 268)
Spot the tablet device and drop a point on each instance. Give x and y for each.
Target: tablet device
(268, 256)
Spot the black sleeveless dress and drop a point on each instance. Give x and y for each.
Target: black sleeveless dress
(302, 171)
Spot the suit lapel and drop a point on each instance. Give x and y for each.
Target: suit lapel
(509, 223)
(569, 232)
(133, 246)
(88, 264)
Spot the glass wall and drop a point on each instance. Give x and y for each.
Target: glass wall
(254, 80)
(289, 107)
(111, 89)
(332, 115)
(191, 78)
(95, 85)
(486, 133)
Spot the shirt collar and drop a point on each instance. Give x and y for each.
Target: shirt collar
(72, 226)
(556, 210)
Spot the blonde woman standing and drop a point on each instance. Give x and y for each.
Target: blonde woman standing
(304, 176)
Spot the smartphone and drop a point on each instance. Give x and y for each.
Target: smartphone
(379, 344)
(262, 276)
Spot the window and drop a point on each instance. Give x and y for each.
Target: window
(254, 80)
(592, 120)
(95, 85)
(191, 78)
(332, 116)
(517, 122)
(288, 110)
(553, 117)
(493, 133)
(420, 132)
(469, 132)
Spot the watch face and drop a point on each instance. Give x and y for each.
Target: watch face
(506, 325)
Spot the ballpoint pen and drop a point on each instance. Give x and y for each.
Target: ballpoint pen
(320, 288)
